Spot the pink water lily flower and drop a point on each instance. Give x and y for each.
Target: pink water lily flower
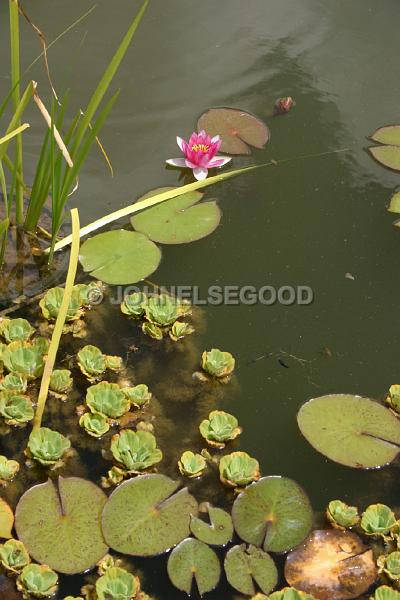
(200, 154)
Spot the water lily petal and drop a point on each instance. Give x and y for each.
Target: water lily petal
(190, 164)
(215, 139)
(181, 143)
(219, 161)
(200, 173)
(176, 162)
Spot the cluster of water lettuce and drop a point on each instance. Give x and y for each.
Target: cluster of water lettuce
(160, 315)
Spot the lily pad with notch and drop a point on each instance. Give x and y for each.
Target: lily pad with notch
(388, 154)
(274, 514)
(246, 565)
(147, 516)
(193, 561)
(351, 430)
(237, 129)
(332, 565)
(119, 257)
(178, 221)
(60, 524)
(220, 530)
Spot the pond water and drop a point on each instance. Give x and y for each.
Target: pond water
(308, 222)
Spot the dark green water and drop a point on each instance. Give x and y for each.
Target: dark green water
(307, 222)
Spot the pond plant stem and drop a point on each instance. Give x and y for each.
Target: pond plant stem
(58, 328)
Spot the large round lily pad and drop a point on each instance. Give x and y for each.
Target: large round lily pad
(332, 565)
(220, 530)
(178, 221)
(194, 560)
(147, 515)
(273, 513)
(60, 524)
(119, 257)
(238, 129)
(244, 566)
(351, 430)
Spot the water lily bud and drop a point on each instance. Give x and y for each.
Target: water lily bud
(284, 105)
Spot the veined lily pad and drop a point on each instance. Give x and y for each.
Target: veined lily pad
(178, 221)
(243, 565)
(145, 517)
(193, 560)
(351, 430)
(331, 564)
(120, 257)
(273, 513)
(69, 513)
(238, 129)
(6, 520)
(220, 530)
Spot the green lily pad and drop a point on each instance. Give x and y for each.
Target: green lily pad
(394, 205)
(245, 565)
(60, 525)
(218, 533)
(351, 430)
(179, 220)
(238, 129)
(273, 513)
(146, 516)
(388, 156)
(120, 257)
(194, 560)
(390, 134)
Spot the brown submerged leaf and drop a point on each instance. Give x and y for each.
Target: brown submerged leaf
(331, 565)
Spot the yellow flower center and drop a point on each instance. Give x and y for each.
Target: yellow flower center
(200, 148)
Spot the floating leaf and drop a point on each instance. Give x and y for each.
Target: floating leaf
(387, 135)
(243, 565)
(238, 129)
(68, 513)
(145, 517)
(385, 593)
(388, 156)
(218, 533)
(273, 513)
(194, 560)
(331, 564)
(120, 257)
(288, 594)
(6, 520)
(394, 205)
(351, 430)
(178, 221)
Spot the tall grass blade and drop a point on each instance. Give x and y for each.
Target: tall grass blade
(9, 136)
(16, 118)
(58, 328)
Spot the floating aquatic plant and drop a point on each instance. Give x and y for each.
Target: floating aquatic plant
(6, 520)
(385, 592)
(162, 310)
(341, 515)
(93, 363)
(220, 530)
(393, 398)
(47, 446)
(14, 383)
(388, 152)
(117, 584)
(390, 565)
(237, 129)
(135, 451)
(134, 304)
(66, 510)
(238, 469)
(284, 105)
(107, 399)
(200, 154)
(37, 581)
(52, 300)
(288, 593)
(180, 330)
(61, 381)
(245, 566)
(191, 464)
(14, 556)
(193, 560)
(217, 363)
(326, 563)
(138, 395)
(16, 330)
(25, 358)
(377, 519)
(95, 424)
(8, 469)
(15, 408)
(147, 515)
(219, 428)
